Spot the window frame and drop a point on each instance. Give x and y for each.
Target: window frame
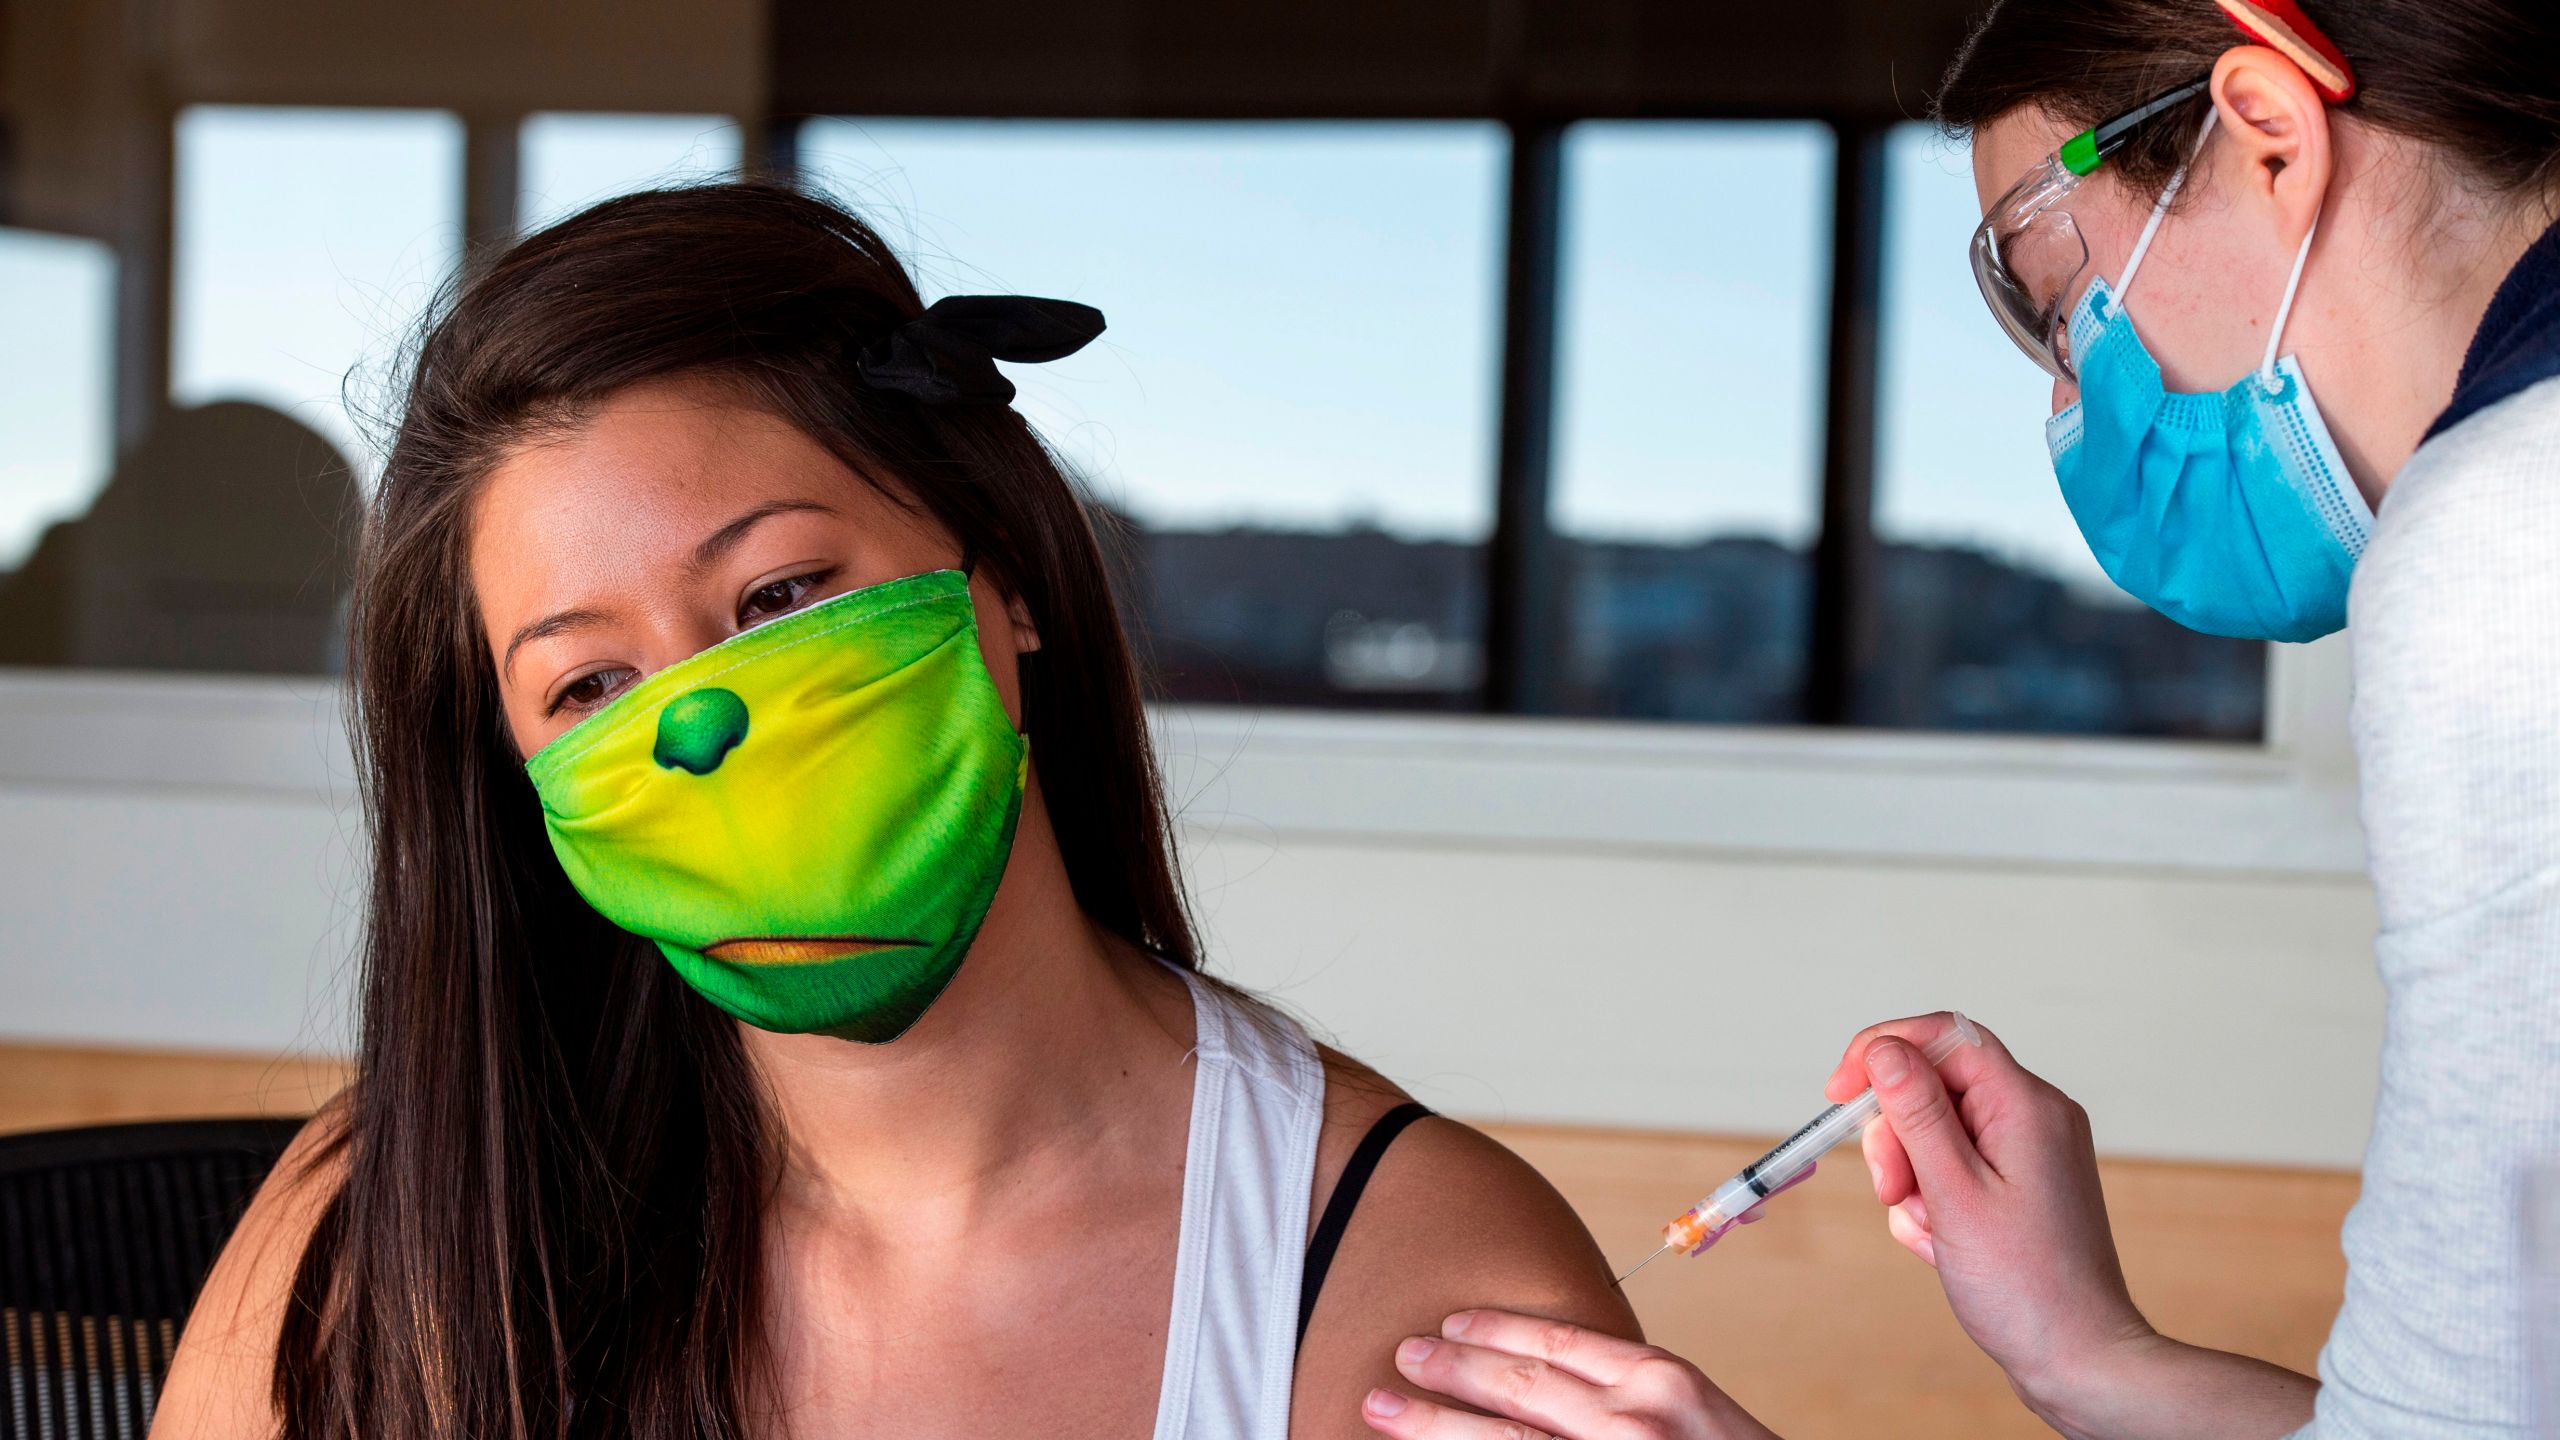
(1524, 604)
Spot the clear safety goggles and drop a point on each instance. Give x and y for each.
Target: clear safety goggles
(2028, 251)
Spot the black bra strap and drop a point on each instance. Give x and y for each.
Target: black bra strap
(1346, 1198)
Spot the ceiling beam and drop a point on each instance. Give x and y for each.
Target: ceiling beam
(1874, 60)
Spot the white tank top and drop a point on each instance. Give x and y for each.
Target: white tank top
(1257, 1103)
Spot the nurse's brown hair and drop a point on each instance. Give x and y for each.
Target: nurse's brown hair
(2476, 81)
(554, 1157)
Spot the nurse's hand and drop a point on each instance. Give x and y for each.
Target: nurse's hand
(1565, 1381)
(1992, 1179)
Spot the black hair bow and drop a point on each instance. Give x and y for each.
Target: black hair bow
(947, 354)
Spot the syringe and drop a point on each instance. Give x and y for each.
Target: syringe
(1790, 1158)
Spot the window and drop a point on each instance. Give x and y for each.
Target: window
(308, 241)
(1293, 406)
(1688, 456)
(1993, 615)
(572, 160)
(56, 383)
(1292, 419)
(57, 428)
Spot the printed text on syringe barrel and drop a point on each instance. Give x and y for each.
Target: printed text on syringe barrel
(1751, 1172)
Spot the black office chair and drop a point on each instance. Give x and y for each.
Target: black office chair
(105, 1237)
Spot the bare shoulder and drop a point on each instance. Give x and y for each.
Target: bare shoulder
(218, 1382)
(1451, 1220)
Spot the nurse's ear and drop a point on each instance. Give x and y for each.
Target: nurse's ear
(2280, 126)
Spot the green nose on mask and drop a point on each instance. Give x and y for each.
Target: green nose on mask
(809, 818)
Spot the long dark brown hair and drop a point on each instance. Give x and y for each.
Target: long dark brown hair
(2478, 81)
(554, 1157)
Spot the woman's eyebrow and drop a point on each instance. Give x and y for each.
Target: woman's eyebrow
(719, 542)
(545, 628)
(705, 555)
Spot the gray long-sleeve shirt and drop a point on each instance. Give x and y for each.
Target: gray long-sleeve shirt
(2454, 627)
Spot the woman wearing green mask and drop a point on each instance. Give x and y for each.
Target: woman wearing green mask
(2333, 396)
(780, 1012)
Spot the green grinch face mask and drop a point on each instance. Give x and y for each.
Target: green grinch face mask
(810, 817)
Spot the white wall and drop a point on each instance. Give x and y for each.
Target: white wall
(2226, 1019)
(1599, 924)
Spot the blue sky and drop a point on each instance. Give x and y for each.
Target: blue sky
(570, 161)
(1692, 316)
(1301, 324)
(1960, 437)
(1302, 315)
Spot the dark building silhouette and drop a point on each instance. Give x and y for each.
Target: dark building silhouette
(1965, 641)
(222, 543)
(1712, 631)
(1343, 618)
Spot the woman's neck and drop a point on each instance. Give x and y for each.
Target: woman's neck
(1053, 1046)
(2413, 260)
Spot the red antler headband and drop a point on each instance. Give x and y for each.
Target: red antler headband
(2280, 25)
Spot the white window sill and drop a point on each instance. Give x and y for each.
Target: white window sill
(2286, 808)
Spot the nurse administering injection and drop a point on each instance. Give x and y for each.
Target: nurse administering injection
(2298, 287)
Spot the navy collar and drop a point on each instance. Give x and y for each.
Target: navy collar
(2518, 343)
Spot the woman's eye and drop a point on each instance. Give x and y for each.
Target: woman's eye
(767, 601)
(587, 691)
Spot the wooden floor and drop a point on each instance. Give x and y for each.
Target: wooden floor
(2241, 1259)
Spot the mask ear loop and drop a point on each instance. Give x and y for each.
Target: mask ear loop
(2160, 211)
(2284, 311)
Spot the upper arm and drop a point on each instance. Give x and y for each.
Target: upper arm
(2456, 676)
(1450, 1221)
(2456, 686)
(219, 1381)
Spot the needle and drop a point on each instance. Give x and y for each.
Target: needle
(1649, 1259)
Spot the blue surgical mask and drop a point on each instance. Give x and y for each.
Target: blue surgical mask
(2230, 513)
